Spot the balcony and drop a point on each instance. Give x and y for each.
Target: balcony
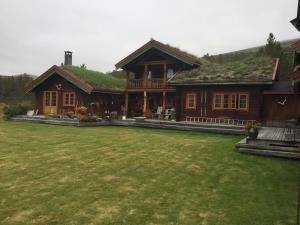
(149, 83)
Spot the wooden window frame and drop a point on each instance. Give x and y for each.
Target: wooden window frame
(65, 96)
(187, 96)
(50, 98)
(232, 105)
(247, 102)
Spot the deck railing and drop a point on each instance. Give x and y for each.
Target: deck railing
(136, 83)
(226, 121)
(149, 83)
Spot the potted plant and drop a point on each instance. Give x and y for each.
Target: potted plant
(252, 129)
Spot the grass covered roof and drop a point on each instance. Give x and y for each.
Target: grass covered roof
(98, 80)
(250, 68)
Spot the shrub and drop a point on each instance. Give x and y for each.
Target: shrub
(71, 114)
(81, 110)
(87, 118)
(14, 110)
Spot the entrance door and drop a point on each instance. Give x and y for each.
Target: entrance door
(50, 102)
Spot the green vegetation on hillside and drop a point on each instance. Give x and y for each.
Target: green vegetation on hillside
(116, 175)
(13, 89)
(97, 79)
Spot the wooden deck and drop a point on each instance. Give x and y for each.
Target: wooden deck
(272, 141)
(148, 123)
(278, 134)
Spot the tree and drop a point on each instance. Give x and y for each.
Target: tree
(273, 47)
(83, 66)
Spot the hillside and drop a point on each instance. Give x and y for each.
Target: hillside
(12, 89)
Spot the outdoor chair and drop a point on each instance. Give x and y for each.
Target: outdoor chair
(158, 113)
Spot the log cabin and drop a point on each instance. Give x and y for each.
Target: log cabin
(232, 91)
(148, 70)
(61, 89)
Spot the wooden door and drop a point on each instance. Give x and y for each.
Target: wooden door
(50, 102)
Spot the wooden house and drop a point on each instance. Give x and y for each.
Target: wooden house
(148, 70)
(62, 89)
(232, 91)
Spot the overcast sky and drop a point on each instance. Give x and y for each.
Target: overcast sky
(35, 33)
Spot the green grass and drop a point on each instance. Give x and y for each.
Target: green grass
(97, 79)
(116, 175)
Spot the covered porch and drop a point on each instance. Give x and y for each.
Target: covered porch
(150, 104)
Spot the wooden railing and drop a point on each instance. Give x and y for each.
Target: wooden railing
(149, 83)
(136, 83)
(226, 121)
(155, 83)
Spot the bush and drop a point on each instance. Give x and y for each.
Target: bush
(81, 110)
(71, 114)
(14, 110)
(87, 118)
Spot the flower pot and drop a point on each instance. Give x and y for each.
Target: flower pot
(253, 133)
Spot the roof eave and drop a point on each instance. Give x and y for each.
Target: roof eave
(56, 70)
(205, 83)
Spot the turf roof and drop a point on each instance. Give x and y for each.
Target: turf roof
(251, 68)
(99, 81)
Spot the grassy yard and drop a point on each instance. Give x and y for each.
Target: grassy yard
(116, 175)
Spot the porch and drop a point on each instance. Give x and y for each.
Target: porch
(150, 104)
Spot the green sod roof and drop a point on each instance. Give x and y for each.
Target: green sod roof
(99, 81)
(251, 68)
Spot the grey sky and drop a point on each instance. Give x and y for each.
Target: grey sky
(35, 33)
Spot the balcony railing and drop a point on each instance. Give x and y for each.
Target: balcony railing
(149, 83)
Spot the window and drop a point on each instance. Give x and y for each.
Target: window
(243, 101)
(69, 99)
(233, 101)
(191, 100)
(50, 98)
(218, 101)
(224, 101)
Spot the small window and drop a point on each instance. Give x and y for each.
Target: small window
(226, 102)
(243, 101)
(191, 100)
(233, 101)
(69, 99)
(218, 101)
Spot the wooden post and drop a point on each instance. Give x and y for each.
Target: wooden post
(145, 103)
(164, 100)
(126, 104)
(165, 75)
(127, 78)
(145, 75)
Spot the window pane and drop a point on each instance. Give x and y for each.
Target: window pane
(226, 101)
(191, 101)
(47, 99)
(53, 99)
(233, 101)
(243, 101)
(218, 100)
(71, 99)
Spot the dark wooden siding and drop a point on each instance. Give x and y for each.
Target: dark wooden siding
(255, 102)
(273, 111)
(97, 103)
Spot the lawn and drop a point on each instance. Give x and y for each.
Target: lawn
(116, 175)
